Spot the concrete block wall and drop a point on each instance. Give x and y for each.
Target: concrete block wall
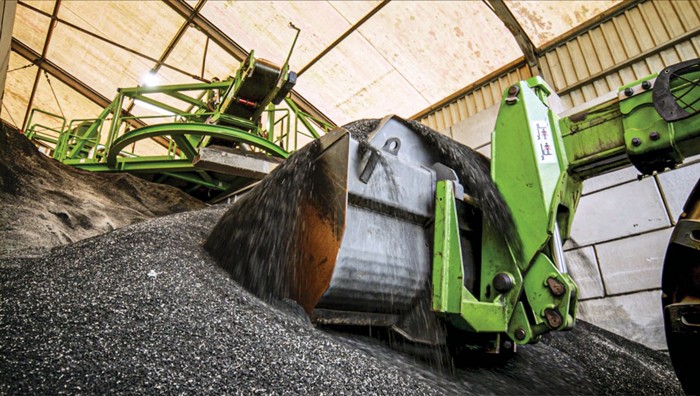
(622, 228)
(618, 239)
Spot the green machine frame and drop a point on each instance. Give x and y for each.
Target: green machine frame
(241, 112)
(539, 162)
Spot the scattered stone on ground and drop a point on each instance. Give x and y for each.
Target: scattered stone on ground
(144, 309)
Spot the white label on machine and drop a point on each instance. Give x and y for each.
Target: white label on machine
(543, 141)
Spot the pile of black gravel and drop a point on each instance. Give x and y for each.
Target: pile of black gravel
(44, 203)
(144, 309)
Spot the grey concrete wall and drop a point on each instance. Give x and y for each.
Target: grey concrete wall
(7, 20)
(622, 228)
(618, 239)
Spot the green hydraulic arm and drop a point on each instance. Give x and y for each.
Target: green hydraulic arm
(539, 161)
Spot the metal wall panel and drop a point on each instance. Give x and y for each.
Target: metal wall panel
(642, 40)
(476, 100)
(633, 44)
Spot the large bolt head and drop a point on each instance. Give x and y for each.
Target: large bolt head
(503, 282)
(554, 319)
(512, 97)
(556, 287)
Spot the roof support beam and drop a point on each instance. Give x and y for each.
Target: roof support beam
(526, 46)
(342, 37)
(65, 77)
(235, 50)
(55, 19)
(208, 28)
(47, 41)
(178, 36)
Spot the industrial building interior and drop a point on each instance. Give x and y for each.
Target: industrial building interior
(310, 197)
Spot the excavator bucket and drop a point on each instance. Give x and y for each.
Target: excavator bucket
(344, 226)
(383, 261)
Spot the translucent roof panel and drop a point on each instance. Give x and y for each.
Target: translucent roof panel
(391, 60)
(103, 68)
(434, 50)
(263, 26)
(543, 21)
(167, 76)
(189, 52)
(346, 87)
(43, 5)
(353, 11)
(147, 26)
(30, 28)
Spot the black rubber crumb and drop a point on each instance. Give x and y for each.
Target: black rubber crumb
(145, 310)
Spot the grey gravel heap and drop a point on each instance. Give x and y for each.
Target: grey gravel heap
(144, 310)
(44, 203)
